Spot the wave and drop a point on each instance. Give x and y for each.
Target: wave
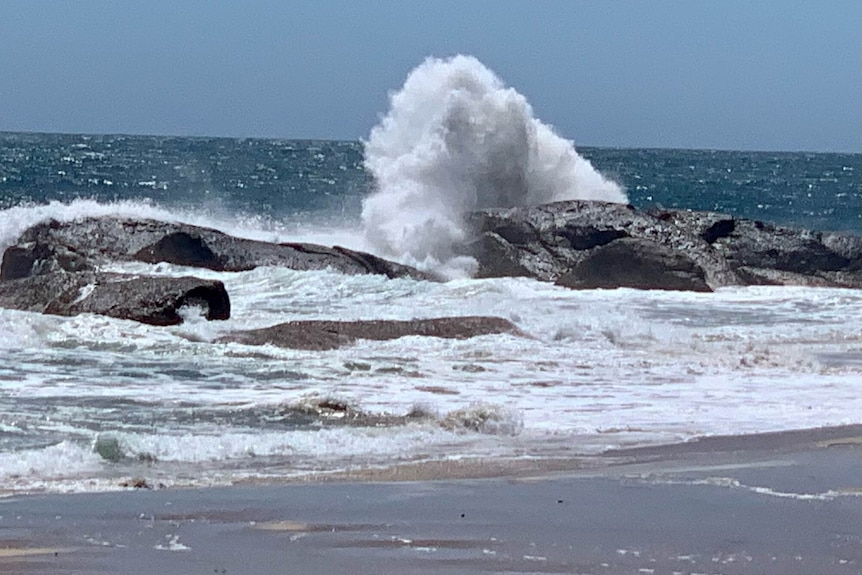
(455, 139)
(322, 228)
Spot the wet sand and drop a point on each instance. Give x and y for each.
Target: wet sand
(773, 503)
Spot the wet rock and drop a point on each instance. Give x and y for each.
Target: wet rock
(38, 258)
(582, 244)
(326, 334)
(636, 263)
(709, 226)
(86, 243)
(154, 300)
(183, 249)
(761, 245)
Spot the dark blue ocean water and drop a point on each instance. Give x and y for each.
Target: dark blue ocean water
(280, 178)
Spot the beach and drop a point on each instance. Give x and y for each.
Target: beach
(320, 288)
(764, 503)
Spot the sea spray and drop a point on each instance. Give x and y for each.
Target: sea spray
(455, 139)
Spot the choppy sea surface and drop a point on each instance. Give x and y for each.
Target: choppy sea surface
(88, 402)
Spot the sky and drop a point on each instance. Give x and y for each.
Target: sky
(722, 74)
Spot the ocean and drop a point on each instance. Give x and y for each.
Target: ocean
(88, 402)
(91, 403)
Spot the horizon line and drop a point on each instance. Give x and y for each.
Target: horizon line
(360, 140)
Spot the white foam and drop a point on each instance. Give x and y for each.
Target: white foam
(56, 462)
(455, 139)
(14, 220)
(306, 448)
(172, 544)
(600, 368)
(732, 483)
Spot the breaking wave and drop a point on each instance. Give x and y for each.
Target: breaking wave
(455, 139)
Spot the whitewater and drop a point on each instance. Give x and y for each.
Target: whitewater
(457, 139)
(87, 403)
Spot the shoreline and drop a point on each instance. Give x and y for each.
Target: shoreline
(787, 502)
(744, 445)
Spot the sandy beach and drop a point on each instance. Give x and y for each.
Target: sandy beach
(771, 503)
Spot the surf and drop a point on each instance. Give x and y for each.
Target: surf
(456, 138)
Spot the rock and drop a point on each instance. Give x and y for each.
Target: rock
(326, 334)
(708, 226)
(756, 244)
(555, 239)
(155, 300)
(500, 258)
(773, 277)
(86, 243)
(846, 246)
(636, 263)
(40, 258)
(183, 249)
(582, 244)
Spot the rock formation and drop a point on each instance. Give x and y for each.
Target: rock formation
(54, 266)
(325, 334)
(155, 300)
(582, 244)
(84, 244)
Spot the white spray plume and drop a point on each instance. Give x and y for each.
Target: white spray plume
(457, 139)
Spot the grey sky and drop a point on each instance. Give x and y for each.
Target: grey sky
(737, 74)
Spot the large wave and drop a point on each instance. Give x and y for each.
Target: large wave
(455, 139)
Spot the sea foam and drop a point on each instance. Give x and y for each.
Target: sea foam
(455, 139)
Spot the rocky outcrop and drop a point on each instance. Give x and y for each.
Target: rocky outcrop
(635, 263)
(84, 244)
(583, 244)
(155, 300)
(54, 266)
(325, 334)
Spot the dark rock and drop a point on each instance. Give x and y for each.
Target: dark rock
(565, 234)
(89, 242)
(326, 334)
(709, 226)
(155, 300)
(773, 247)
(595, 244)
(773, 277)
(183, 249)
(377, 265)
(718, 230)
(19, 262)
(589, 237)
(846, 246)
(500, 258)
(636, 263)
(36, 258)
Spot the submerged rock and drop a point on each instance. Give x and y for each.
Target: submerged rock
(83, 244)
(326, 334)
(155, 300)
(583, 244)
